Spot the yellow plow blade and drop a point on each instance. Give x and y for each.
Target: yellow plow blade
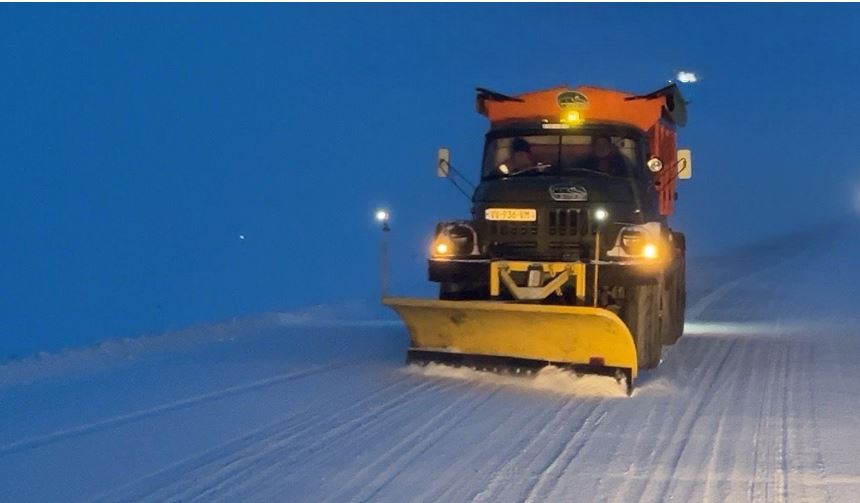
(560, 335)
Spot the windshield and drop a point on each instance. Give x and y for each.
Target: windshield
(599, 155)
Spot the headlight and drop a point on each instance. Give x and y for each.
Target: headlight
(442, 246)
(638, 241)
(649, 251)
(455, 239)
(632, 240)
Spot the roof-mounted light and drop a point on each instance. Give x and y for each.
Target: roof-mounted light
(572, 117)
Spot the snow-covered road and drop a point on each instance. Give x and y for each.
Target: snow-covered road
(758, 402)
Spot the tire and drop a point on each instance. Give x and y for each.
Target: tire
(641, 313)
(681, 280)
(681, 285)
(671, 309)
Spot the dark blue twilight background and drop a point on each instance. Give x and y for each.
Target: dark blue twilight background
(138, 142)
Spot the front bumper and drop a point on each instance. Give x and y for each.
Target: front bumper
(458, 270)
(614, 273)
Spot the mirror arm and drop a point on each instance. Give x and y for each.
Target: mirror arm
(455, 171)
(445, 169)
(676, 173)
(455, 184)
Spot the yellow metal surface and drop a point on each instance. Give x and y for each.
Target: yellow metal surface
(562, 334)
(576, 269)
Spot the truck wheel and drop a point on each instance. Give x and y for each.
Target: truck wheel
(671, 314)
(681, 285)
(462, 291)
(641, 313)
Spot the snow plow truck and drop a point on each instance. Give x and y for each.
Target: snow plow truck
(568, 258)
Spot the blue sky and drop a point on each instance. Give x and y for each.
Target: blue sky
(139, 141)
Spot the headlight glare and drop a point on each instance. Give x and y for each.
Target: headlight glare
(650, 251)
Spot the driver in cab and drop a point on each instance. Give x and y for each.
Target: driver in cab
(521, 159)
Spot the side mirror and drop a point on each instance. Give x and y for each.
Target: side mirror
(442, 162)
(685, 164)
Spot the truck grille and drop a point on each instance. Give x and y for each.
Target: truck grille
(567, 222)
(558, 234)
(512, 229)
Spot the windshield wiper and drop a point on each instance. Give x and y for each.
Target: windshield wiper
(539, 167)
(589, 171)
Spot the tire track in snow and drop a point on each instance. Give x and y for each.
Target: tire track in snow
(257, 468)
(646, 440)
(808, 477)
(769, 394)
(814, 428)
(256, 462)
(549, 453)
(765, 485)
(629, 423)
(709, 465)
(718, 380)
(772, 485)
(742, 454)
(548, 481)
(417, 442)
(784, 427)
(712, 464)
(188, 467)
(695, 312)
(551, 448)
(507, 443)
(122, 419)
(505, 473)
(667, 450)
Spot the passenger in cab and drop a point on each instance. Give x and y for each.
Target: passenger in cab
(606, 158)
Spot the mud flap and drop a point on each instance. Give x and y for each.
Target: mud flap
(587, 337)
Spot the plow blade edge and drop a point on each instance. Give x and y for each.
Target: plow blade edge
(572, 336)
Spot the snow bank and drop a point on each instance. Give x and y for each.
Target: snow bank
(46, 364)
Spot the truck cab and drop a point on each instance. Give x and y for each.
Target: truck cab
(579, 180)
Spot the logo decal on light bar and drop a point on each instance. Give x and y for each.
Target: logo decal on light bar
(574, 100)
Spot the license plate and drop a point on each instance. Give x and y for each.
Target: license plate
(510, 215)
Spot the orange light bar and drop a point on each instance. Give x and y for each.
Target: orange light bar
(593, 103)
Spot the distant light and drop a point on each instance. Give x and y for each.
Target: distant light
(442, 248)
(242, 237)
(687, 77)
(600, 215)
(504, 169)
(381, 216)
(649, 251)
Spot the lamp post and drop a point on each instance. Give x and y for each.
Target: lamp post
(600, 216)
(382, 217)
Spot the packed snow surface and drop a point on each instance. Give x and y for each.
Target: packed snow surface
(757, 402)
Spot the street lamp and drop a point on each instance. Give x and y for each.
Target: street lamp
(382, 217)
